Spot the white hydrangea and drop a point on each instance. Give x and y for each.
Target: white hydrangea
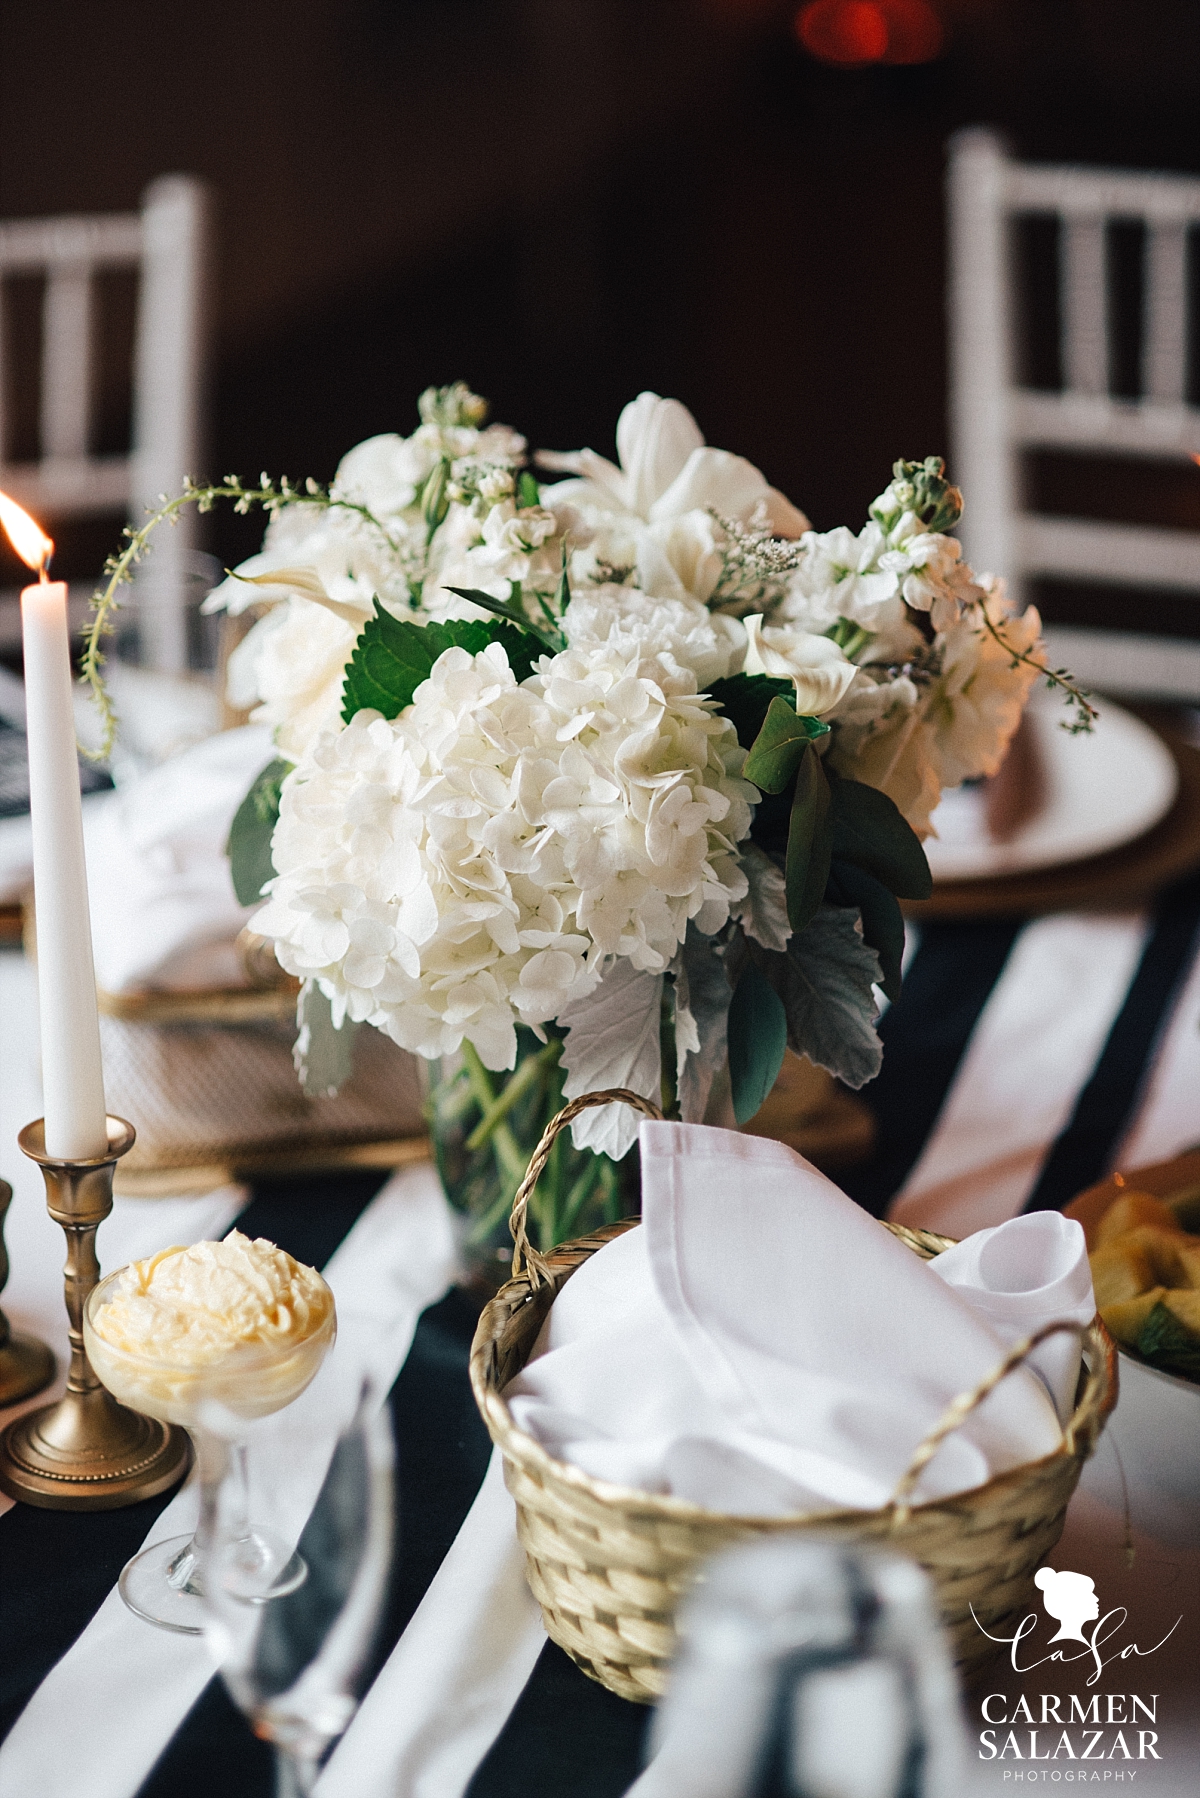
(472, 864)
(635, 623)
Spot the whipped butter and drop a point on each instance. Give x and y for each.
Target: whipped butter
(164, 1328)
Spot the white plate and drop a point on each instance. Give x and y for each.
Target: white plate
(1102, 790)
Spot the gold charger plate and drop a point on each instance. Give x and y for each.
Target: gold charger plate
(1127, 876)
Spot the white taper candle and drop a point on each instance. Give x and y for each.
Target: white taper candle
(72, 1073)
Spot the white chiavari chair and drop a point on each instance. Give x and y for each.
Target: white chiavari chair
(167, 244)
(995, 420)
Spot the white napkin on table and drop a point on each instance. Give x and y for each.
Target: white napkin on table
(164, 912)
(762, 1345)
(1020, 1275)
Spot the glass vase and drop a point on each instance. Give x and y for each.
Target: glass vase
(484, 1128)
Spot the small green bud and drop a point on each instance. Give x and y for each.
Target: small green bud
(435, 500)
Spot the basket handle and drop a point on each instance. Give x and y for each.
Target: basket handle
(957, 1412)
(526, 1259)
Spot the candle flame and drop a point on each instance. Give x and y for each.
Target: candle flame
(26, 535)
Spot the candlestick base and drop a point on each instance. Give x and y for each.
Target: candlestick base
(87, 1452)
(26, 1365)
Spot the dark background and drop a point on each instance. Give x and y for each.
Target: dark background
(565, 201)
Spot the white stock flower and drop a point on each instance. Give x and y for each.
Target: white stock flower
(870, 578)
(658, 497)
(822, 674)
(470, 864)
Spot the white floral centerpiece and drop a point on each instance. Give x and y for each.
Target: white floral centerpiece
(609, 781)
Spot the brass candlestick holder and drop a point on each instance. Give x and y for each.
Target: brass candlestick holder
(26, 1364)
(87, 1452)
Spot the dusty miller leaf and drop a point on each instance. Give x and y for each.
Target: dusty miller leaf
(763, 912)
(323, 1055)
(880, 914)
(825, 981)
(702, 993)
(613, 1040)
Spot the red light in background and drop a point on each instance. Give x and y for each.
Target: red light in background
(851, 34)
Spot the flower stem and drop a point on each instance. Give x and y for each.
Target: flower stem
(529, 1071)
(504, 1144)
(120, 567)
(1086, 714)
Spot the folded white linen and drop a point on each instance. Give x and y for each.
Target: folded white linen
(164, 912)
(1021, 1275)
(762, 1345)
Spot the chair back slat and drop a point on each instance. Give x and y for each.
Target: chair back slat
(167, 244)
(67, 364)
(996, 419)
(1164, 365)
(1084, 304)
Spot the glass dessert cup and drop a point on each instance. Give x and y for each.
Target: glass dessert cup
(250, 1381)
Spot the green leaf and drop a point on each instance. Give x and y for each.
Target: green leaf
(323, 1055)
(810, 840)
(506, 608)
(1166, 1341)
(249, 845)
(527, 490)
(826, 982)
(745, 700)
(393, 656)
(562, 597)
(882, 919)
(870, 831)
(757, 1032)
(780, 746)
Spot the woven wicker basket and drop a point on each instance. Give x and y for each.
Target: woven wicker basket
(608, 1565)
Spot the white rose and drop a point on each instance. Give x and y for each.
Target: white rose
(294, 661)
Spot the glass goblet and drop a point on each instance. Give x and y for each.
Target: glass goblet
(254, 1380)
(292, 1657)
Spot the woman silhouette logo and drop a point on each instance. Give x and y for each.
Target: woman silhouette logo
(1070, 1598)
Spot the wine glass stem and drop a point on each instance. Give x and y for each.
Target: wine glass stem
(218, 1461)
(294, 1778)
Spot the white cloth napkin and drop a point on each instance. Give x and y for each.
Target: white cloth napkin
(1020, 1275)
(761, 1345)
(164, 912)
